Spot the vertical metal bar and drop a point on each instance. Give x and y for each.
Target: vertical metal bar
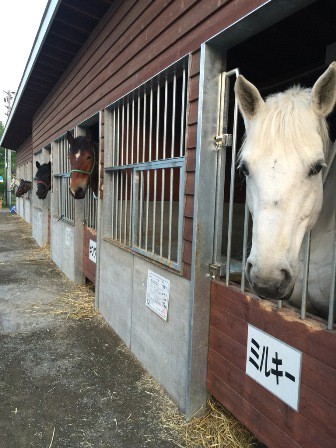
(331, 310)
(131, 174)
(141, 173)
(135, 220)
(233, 171)
(122, 173)
(126, 180)
(149, 159)
(171, 169)
(163, 170)
(305, 276)
(156, 158)
(113, 131)
(223, 104)
(138, 130)
(117, 175)
(182, 139)
(245, 239)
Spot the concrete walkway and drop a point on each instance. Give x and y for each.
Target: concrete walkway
(66, 382)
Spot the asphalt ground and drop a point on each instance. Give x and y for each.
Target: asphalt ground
(66, 381)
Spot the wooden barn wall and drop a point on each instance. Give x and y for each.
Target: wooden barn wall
(134, 41)
(25, 153)
(269, 418)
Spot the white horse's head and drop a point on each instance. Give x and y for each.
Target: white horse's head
(282, 158)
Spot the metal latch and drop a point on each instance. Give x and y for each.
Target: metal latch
(214, 270)
(223, 140)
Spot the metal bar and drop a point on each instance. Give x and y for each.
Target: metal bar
(223, 102)
(156, 158)
(233, 171)
(117, 177)
(113, 131)
(138, 129)
(182, 139)
(245, 239)
(163, 171)
(126, 180)
(149, 159)
(305, 275)
(330, 325)
(121, 174)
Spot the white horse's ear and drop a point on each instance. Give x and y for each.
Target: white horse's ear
(248, 97)
(323, 94)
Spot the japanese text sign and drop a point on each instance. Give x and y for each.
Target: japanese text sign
(157, 297)
(275, 365)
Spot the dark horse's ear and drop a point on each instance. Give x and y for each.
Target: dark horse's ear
(49, 163)
(70, 138)
(88, 136)
(38, 164)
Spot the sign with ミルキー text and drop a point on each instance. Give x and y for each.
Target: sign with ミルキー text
(93, 251)
(275, 365)
(157, 296)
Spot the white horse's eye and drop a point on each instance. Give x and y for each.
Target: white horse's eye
(316, 168)
(243, 168)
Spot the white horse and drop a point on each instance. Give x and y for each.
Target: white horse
(14, 183)
(285, 149)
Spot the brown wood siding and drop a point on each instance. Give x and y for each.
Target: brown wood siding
(101, 156)
(89, 267)
(25, 153)
(270, 419)
(190, 167)
(133, 42)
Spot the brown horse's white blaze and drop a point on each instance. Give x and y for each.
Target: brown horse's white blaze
(84, 166)
(282, 158)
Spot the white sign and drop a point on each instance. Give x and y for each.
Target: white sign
(157, 296)
(93, 251)
(275, 365)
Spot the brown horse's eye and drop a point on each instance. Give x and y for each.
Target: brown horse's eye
(89, 157)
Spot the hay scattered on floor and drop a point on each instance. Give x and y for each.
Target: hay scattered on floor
(217, 428)
(78, 303)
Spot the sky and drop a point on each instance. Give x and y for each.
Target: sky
(20, 21)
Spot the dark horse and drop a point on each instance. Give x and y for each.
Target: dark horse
(43, 177)
(83, 156)
(23, 188)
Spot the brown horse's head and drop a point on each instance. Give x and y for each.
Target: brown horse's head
(84, 165)
(23, 188)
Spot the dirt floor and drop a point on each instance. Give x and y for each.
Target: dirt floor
(65, 382)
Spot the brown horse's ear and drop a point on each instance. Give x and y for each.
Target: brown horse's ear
(70, 138)
(88, 136)
(38, 164)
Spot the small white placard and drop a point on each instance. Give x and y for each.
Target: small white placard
(93, 251)
(275, 365)
(157, 296)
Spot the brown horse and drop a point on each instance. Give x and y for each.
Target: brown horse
(23, 188)
(84, 162)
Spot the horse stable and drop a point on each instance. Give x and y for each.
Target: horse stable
(142, 94)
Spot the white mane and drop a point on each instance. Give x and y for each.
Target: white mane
(287, 117)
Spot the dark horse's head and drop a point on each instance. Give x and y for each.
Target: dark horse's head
(83, 156)
(23, 188)
(43, 177)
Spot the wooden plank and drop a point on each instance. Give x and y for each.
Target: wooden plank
(191, 160)
(192, 142)
(265, 430)
(186, 271)
(188, 229)
(189, 206)
(319, 377)
(195, 63)
(190, 183)
(308, 336)
(306, 433)
(193, 112)
(187, 252)
(193, 88)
